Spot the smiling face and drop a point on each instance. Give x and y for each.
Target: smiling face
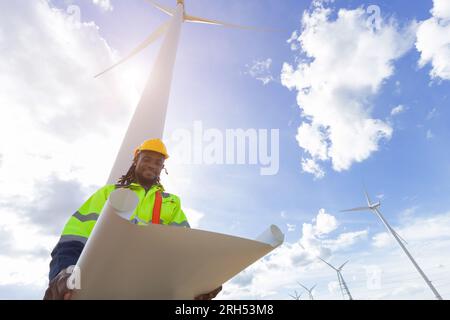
(148, 167)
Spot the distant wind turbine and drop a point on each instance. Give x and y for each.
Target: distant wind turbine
(295, 296)
(149, 118)
(375, 208)
(342, 284)
(311, 297)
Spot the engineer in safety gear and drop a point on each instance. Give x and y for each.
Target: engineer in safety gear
(143, 177)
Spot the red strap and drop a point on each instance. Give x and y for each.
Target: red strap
(157, 208)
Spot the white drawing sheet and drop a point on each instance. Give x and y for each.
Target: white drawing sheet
(126, 261)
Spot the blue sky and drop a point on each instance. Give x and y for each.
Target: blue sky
(356, 78)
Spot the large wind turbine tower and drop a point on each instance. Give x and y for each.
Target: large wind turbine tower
(375, 208)
(149, 117)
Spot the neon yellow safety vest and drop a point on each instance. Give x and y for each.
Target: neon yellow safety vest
(81, 223)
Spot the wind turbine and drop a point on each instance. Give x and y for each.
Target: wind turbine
(375, 208)
(295, 296)
(150, 114)
(342, 283)
(311, 297)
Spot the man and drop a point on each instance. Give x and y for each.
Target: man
(155, 206)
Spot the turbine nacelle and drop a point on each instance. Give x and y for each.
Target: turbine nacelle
(370, 206)
(375, 205)
(189, 18)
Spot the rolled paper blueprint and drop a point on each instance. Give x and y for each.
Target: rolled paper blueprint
(122, 260)
(272, 236)
(123, 202)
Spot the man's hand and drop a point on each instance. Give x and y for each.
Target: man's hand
(57, 288)
(209, 296)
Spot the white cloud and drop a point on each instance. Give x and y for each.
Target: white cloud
(409, 289)
(65, 121)
(432, 114)
(398, 88)
(311, 166)
(381, 240)
(325, 223)
(346, 240)
(311, 138)
(321, 3)
(429, 134)
(408, 213)
(194, 217)
(62, 127)
(417, 229)
(291, 227)
(333, 287)
(260, 70)
(23, 242)
(433, 40)
(345, 65)
(397, 110)
(291, 262)
(293, 41)
(441, 9)
(105, 5)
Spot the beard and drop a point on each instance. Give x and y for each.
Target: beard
(146, 179)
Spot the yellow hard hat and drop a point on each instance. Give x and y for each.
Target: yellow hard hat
(152, 145)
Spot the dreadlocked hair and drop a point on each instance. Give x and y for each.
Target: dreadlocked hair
(130, 177)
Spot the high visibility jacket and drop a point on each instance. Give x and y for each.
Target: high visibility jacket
(79, 226)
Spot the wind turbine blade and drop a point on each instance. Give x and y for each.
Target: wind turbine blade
(194, 19)
(356, 209)
(303, 286)
(369, 202)
(340, 268)
(327, 263)
(153, 37)
(162, 8)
